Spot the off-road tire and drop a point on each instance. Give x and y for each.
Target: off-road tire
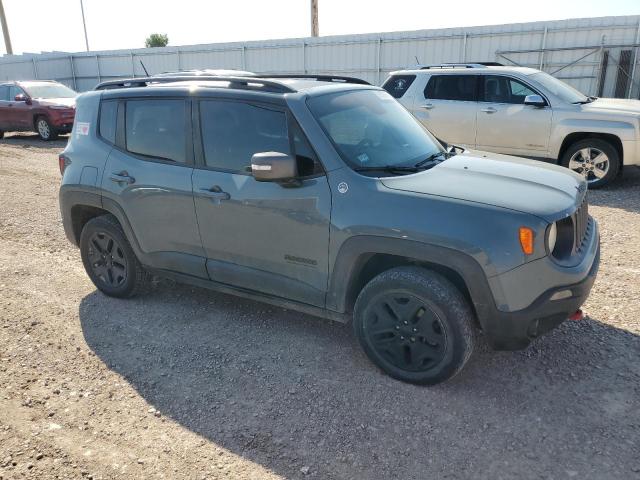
(442, 304)
(108, 227)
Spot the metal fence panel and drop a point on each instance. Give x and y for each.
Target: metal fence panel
(569, 49)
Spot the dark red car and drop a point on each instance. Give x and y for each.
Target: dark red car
(41, 106)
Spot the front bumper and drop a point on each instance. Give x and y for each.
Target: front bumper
(515, 330)
(62, 120)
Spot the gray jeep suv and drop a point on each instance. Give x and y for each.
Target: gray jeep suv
(326, 196)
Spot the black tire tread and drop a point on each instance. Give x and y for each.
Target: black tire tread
(141, 276)
(442, 292)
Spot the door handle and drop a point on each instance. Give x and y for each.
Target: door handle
(489, 110)
(215, 193)
(428, 106)
(122, 177)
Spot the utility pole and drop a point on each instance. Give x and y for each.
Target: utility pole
(5, 30)
(314, 18)
(84, 24)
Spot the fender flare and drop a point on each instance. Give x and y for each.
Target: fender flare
(357, 250)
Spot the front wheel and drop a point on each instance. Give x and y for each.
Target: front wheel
(415, 325)
(109, 259)
(595, 159)
(45, 129)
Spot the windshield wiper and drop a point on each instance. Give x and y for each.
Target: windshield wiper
(387, 168)
(432, 158)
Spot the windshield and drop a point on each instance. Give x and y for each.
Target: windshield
(559, 88)
(52, 90)
(369, 128)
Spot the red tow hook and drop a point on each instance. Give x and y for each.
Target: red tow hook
(578, 315)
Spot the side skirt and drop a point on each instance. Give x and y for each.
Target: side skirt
(252, 295)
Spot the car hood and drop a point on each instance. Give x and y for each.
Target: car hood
(618, 105)
(48, 102)
(547, 191)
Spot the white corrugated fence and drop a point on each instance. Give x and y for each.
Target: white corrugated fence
(599, 56)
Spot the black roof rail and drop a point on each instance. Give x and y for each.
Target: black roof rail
(320, 78)
(234, 82)
(461, 65)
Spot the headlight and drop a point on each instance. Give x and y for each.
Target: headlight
(552, 236)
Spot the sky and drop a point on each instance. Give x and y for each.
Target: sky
(45, 25)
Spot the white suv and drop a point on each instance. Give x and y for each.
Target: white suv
(524, 112)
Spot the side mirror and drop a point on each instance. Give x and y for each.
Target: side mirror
(535, 101)
(21, 97)
(273, 167)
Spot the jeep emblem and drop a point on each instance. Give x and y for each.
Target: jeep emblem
(343, 187)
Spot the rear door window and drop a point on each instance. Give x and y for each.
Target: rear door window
(500, 89)
(451, 87)
(4, 92)
(156, 128)
(397, 85)
(233, 131)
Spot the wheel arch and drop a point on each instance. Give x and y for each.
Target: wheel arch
(80, 206)
(574, 137)
(361, 258)
(34, 119)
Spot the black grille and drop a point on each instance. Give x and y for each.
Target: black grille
(581, 225)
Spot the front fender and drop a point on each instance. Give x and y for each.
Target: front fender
(625, 130)
(355, 251)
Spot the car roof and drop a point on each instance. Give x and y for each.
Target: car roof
(466, 71)
(27, 83)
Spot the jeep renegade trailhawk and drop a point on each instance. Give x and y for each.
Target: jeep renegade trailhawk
(326, 196)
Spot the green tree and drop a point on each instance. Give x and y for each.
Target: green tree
(156, 40)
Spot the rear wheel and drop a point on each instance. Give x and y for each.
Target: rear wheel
(109, 259)
(45, 129)
(415, 325)
(596, 160)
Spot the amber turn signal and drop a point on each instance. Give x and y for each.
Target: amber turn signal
(526, 240)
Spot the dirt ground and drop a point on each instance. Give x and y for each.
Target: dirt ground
(187, 383)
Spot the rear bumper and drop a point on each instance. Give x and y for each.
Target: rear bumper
(515, 330)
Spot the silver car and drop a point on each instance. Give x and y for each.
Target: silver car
(523, 112)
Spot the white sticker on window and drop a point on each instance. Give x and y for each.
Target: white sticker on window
(363, 157)
(82, 128)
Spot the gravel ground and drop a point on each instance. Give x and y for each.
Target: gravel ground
(187, 383)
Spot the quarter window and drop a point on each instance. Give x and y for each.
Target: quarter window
(398, 85)
(108, 112)
(232, 132)
(499, 89)
(451, 87)
(156, 129)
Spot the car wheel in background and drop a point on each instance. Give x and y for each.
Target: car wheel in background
(45, 129)
(415, 325)
(596, 160)
(109, 259)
